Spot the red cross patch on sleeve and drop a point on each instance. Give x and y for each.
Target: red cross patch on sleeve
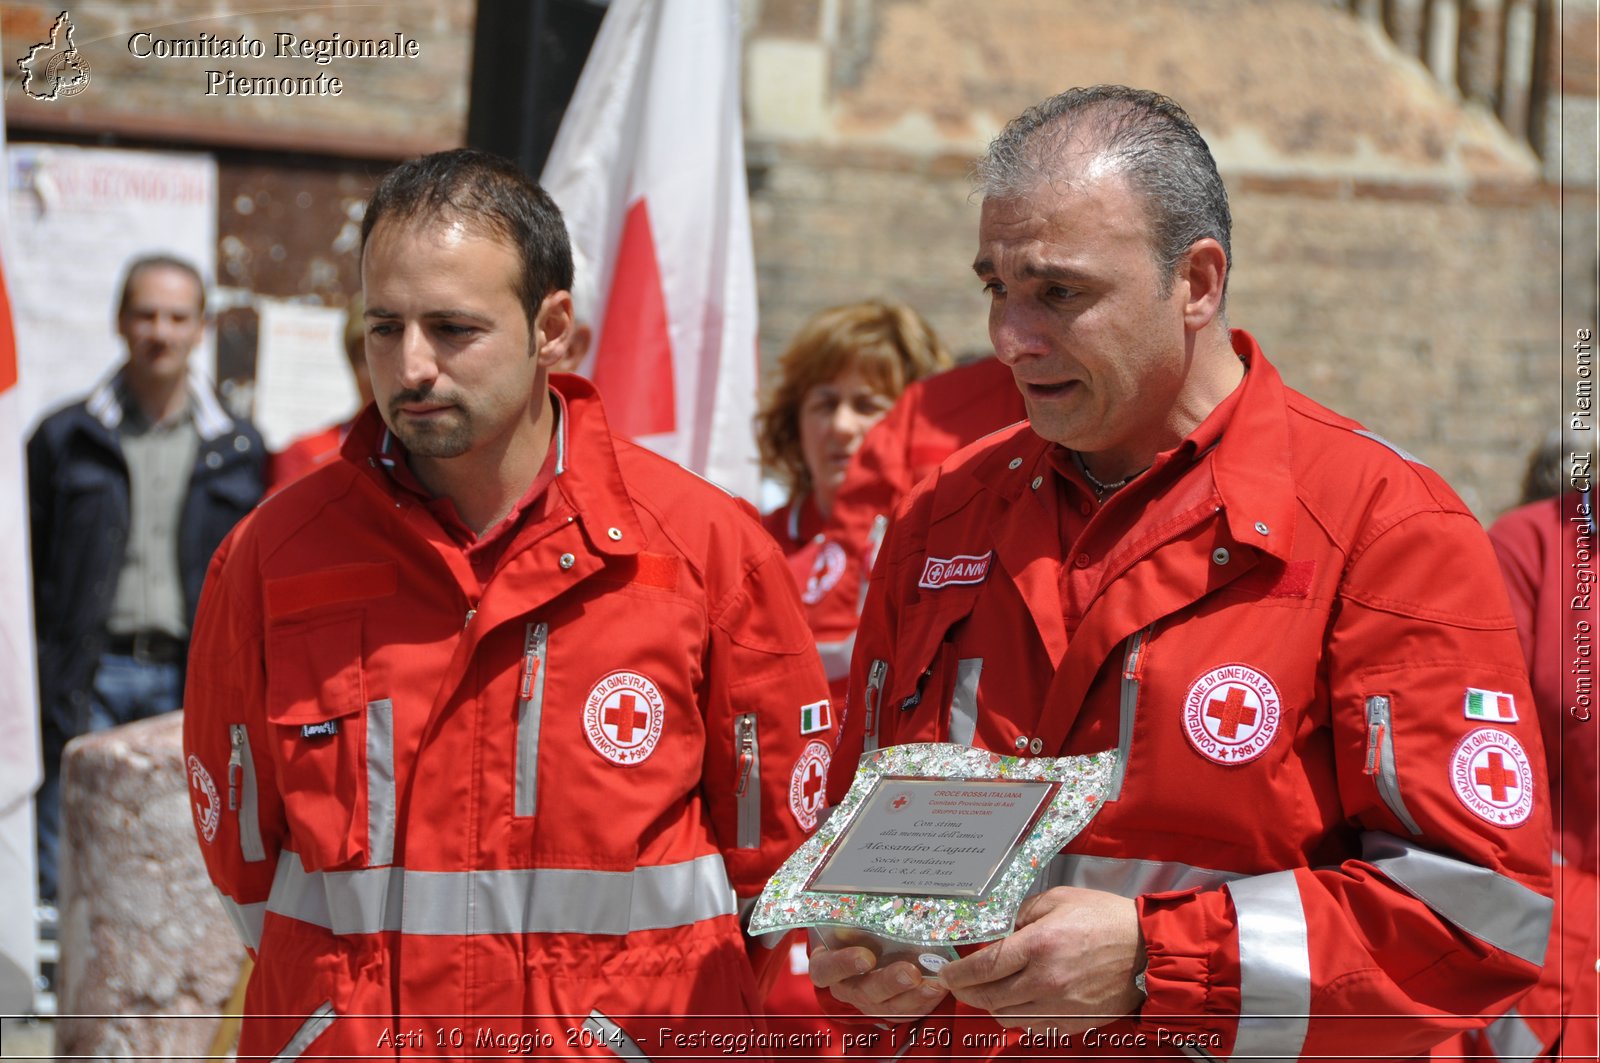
(808, 791)
(1491, 774)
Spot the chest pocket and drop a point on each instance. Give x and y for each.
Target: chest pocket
(931, 690)
(318, 717)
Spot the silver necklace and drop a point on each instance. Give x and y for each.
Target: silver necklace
(1102, 489)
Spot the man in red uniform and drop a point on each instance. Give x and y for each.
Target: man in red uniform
(494, 722)
(1328, 832)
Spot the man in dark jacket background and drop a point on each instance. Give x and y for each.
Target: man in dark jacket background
(130, 490)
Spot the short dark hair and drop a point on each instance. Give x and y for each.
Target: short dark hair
(1147, 136)
(158, 261)
(485, 192)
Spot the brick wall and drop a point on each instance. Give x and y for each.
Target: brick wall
(1397, 252)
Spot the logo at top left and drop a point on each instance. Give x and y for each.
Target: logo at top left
(54, 69)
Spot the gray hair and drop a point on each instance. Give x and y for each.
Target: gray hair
(1146, 136)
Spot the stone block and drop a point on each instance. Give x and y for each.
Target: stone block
(147, 954)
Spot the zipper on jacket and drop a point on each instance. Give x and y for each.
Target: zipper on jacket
(308, 1032)
(748, 792)
(242, 796)
(877, 677)
(1128, 706)
(602, 1031)
(530, 709)
(1380, 759)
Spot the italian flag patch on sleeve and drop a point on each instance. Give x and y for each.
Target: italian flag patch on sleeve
(815, 717)
(1490, 706)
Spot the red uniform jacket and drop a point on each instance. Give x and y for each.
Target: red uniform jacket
(517, 816)
(1558, 616)
(304, 454)
(1331, 807)
(932, 419)
(1540, 546)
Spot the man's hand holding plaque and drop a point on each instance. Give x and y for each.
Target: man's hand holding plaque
(934, 846)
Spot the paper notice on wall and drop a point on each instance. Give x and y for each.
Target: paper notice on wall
(303, 381)
(78, 216)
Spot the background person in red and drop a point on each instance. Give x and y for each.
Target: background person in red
(1328, 834)
(1542, 545)
(839, 376)
(494, 722)
(934, 418)
(305, 453)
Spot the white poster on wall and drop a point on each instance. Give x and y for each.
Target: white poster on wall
(303, 379)
(78, 216)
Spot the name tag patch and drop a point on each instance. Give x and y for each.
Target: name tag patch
(940, 572)
(325, 729)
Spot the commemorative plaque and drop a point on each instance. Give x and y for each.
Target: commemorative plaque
(935, 845)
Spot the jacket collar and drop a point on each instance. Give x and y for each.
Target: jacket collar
(587, 474)
(109, 402)
(593, 482)
(1250, 463)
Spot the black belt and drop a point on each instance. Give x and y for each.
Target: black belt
(148, 647)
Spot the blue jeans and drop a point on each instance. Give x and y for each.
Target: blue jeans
(125, 690)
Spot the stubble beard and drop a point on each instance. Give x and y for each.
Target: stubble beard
(447, 435)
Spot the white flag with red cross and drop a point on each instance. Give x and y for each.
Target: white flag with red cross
(648, 168)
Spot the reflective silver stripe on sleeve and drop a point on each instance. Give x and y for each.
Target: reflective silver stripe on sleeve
(380, 782)
(1129, 709)
(1489, 906)
(309, 1031)
(1130, 878)
(614, 1037)
(250, 845)
(1274, 967)
(1512, 1040)
(246, 918)
(877, 678)
(1380, 748)
(836, 657)
(510, 901)
(1196, 1052)
(530, 710)
(1376, 438)
(964, 701)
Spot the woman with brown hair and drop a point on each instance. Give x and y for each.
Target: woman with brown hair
(837, 379)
